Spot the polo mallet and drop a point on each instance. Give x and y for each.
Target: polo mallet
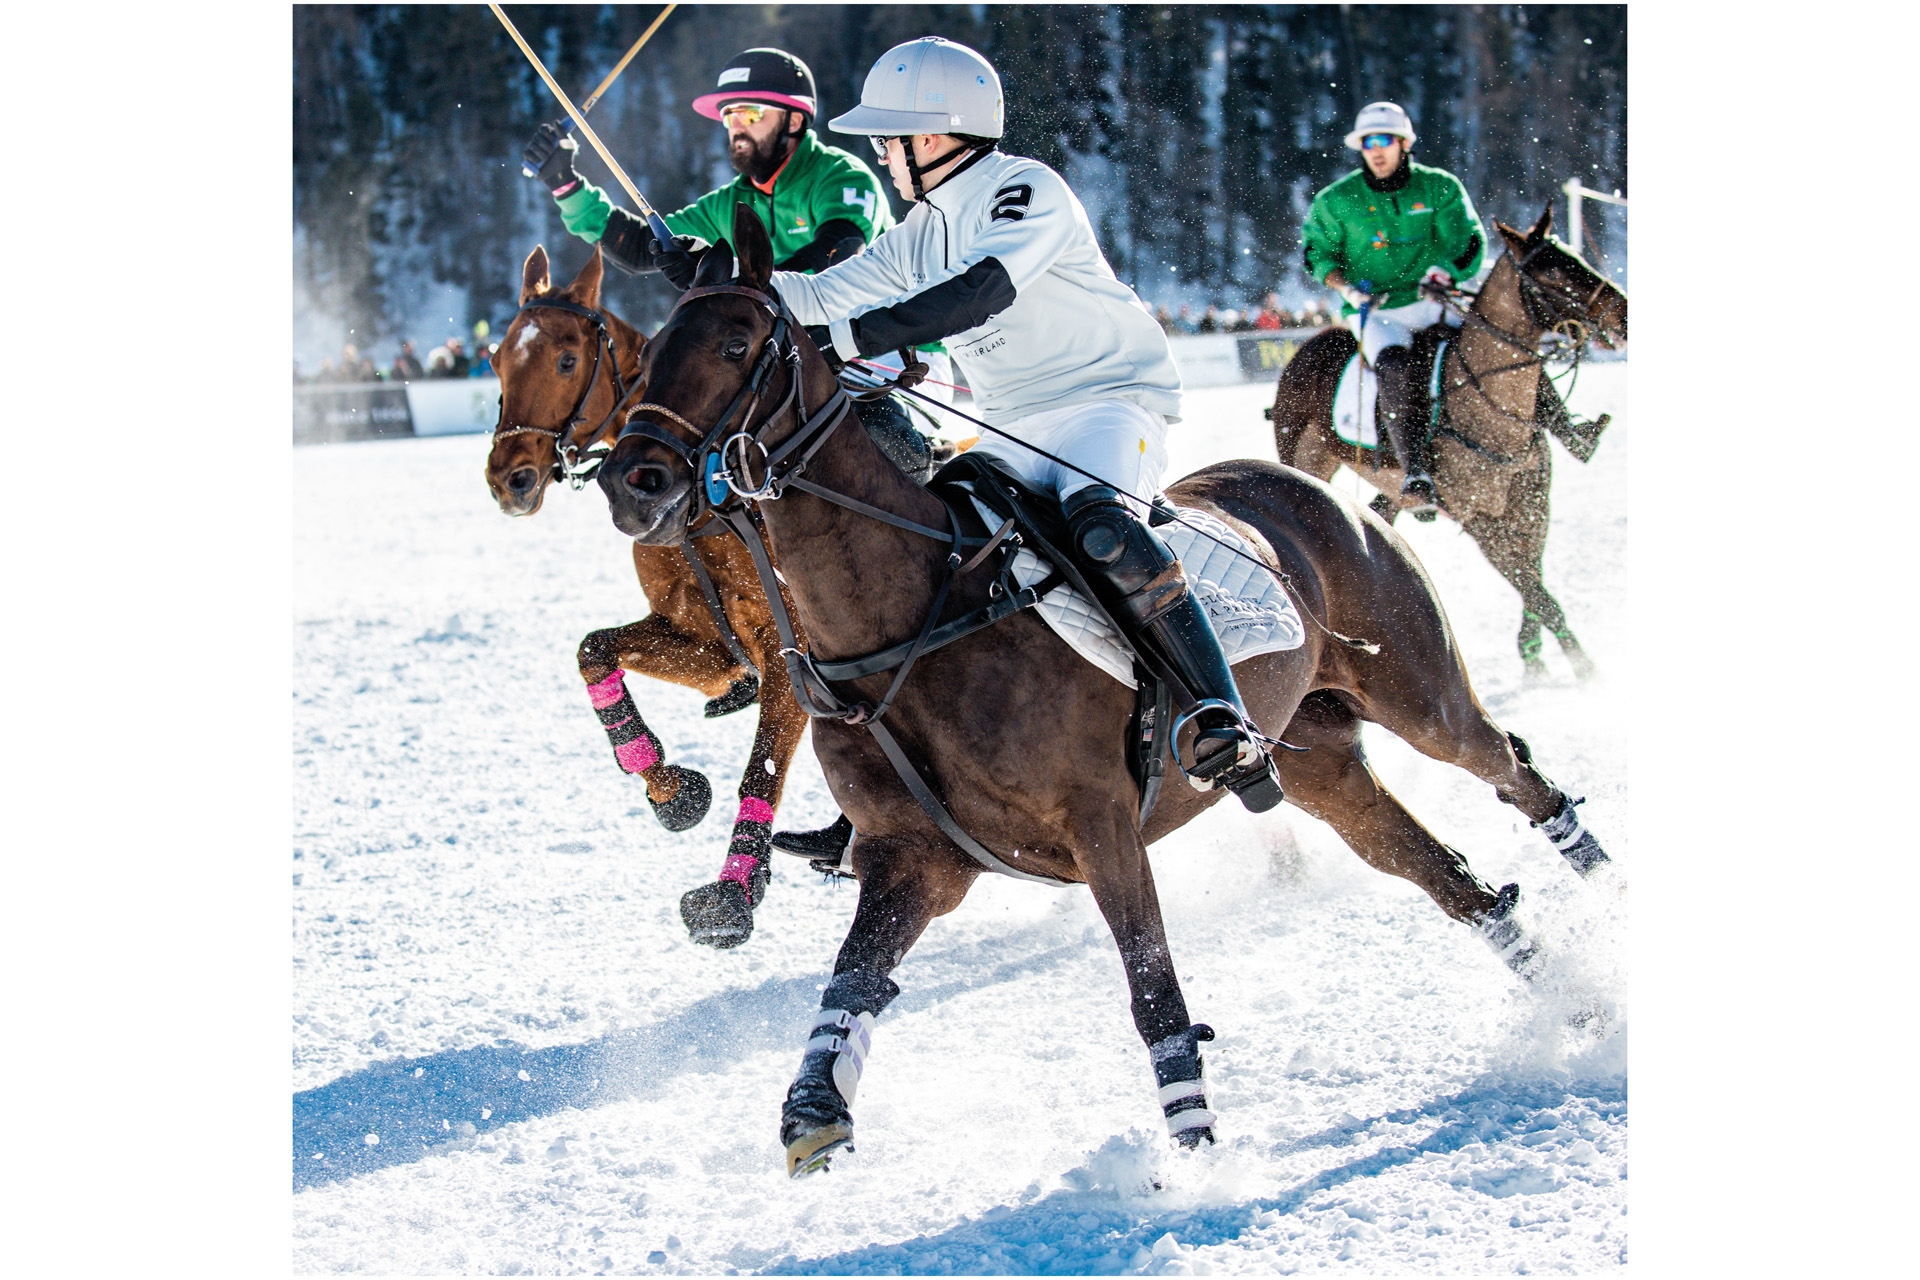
(655, 222)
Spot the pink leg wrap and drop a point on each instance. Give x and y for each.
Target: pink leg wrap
(754, 809)
(637, 756)
(608, 691)
(739, 869)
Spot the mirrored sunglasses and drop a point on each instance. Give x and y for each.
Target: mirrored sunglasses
(1375, 141)
(743, 113)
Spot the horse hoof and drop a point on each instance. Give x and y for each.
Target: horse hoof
(1534, 675)
(1583, 666)
(743, 693)
(1190, 1139)
(717, 915)
(1426, 515)
(689, 804)
(811, 1152)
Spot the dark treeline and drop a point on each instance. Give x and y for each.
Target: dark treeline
(1195, 134)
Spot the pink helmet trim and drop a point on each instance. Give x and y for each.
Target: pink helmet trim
(708, 104)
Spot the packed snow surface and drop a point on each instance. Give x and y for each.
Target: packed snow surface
(509, 1059)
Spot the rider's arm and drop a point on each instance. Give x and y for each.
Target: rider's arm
(1323, 238)
(1457, 228)
(837, 240)
(623, 237)
(1032, 224)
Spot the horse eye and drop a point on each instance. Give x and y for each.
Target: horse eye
(567, 362)
(736, 350)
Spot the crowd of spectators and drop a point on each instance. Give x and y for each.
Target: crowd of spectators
(448, 360)
(1218, 319)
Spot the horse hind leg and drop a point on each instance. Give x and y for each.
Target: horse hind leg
(1332, 780)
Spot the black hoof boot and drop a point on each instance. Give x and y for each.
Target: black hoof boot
(1384, 507)
(689, 804)
(1571, 837)
(744, 693)
(825, 845)
(1426, 502)
(720, 914)
(1182, 1076)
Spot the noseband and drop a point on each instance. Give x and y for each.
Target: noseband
(569, 455)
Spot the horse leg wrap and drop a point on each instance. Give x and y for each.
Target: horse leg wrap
(1183, 1086)
(637, 750)
(1504, 934)
(747, 861)
(817, 1119)
(1575, 843)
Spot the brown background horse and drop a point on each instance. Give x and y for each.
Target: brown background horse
(1021, 738)
(551, 375)
(1497, 487)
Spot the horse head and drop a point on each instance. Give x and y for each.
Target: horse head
(561, 376)
(1565, 292)
(721, 367)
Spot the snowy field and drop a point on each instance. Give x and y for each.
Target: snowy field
(509, 1059)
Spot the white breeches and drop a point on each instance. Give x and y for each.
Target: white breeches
(1117, 440)
(1395, 326)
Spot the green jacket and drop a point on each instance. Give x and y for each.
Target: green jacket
(819, 184)
(1386, 239)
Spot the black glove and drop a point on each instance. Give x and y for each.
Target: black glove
(676, 261)
(549, 154)
(823, 338)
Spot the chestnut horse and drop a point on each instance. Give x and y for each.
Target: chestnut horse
(1018, 736)
(1492, 464)
(565, 363)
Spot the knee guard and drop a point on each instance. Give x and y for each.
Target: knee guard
(1135, 571)
(904, 447)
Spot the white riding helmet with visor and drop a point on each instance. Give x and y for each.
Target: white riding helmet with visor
(929, 85)
(1380, 117)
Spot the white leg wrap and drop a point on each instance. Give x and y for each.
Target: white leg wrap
(849, 1038)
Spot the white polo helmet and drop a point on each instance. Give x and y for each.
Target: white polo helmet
(1380, 117)
(928, 85)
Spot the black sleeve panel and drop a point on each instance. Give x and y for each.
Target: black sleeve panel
(828, 246)
(625, 241)
(971, 298)
(1465, 260)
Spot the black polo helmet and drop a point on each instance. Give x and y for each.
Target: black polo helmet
(770, 76)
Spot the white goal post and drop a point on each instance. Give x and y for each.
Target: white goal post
(1576, 223)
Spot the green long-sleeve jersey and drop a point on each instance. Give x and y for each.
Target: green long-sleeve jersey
(1385, 239)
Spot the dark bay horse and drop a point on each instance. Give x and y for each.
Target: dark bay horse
(1020, 738)
(1492, 464)
(565, 363)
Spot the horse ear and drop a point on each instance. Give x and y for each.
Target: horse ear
(1543, 226)
(756, 251)
(585, 288)
(534, 280)
(716, 266)
(1516, 243)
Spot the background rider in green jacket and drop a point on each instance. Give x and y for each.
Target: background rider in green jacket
(1374, 237)
(820, 205)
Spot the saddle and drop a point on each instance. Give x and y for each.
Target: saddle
(1249, 610)
(1355, 400)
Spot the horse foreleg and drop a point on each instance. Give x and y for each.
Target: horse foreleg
(1515, 544)
(721, 914)
(653, 646)
(1122, 884)
(1332, 780)
(904, 883)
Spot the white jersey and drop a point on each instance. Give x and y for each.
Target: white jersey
(1073, 333)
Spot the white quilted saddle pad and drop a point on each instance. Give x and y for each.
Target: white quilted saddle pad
(1249, 609)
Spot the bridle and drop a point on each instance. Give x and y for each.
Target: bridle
(577, 465)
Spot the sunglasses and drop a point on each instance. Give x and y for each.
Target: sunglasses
(1377, 141)
(880, 146)
(745, 112)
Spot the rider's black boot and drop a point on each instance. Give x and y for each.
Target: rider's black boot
(1406, 427)
(890, 428)
(1143, 587)
(826, 848)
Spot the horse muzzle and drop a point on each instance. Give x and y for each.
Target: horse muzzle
(647, 497)
(520, 491)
